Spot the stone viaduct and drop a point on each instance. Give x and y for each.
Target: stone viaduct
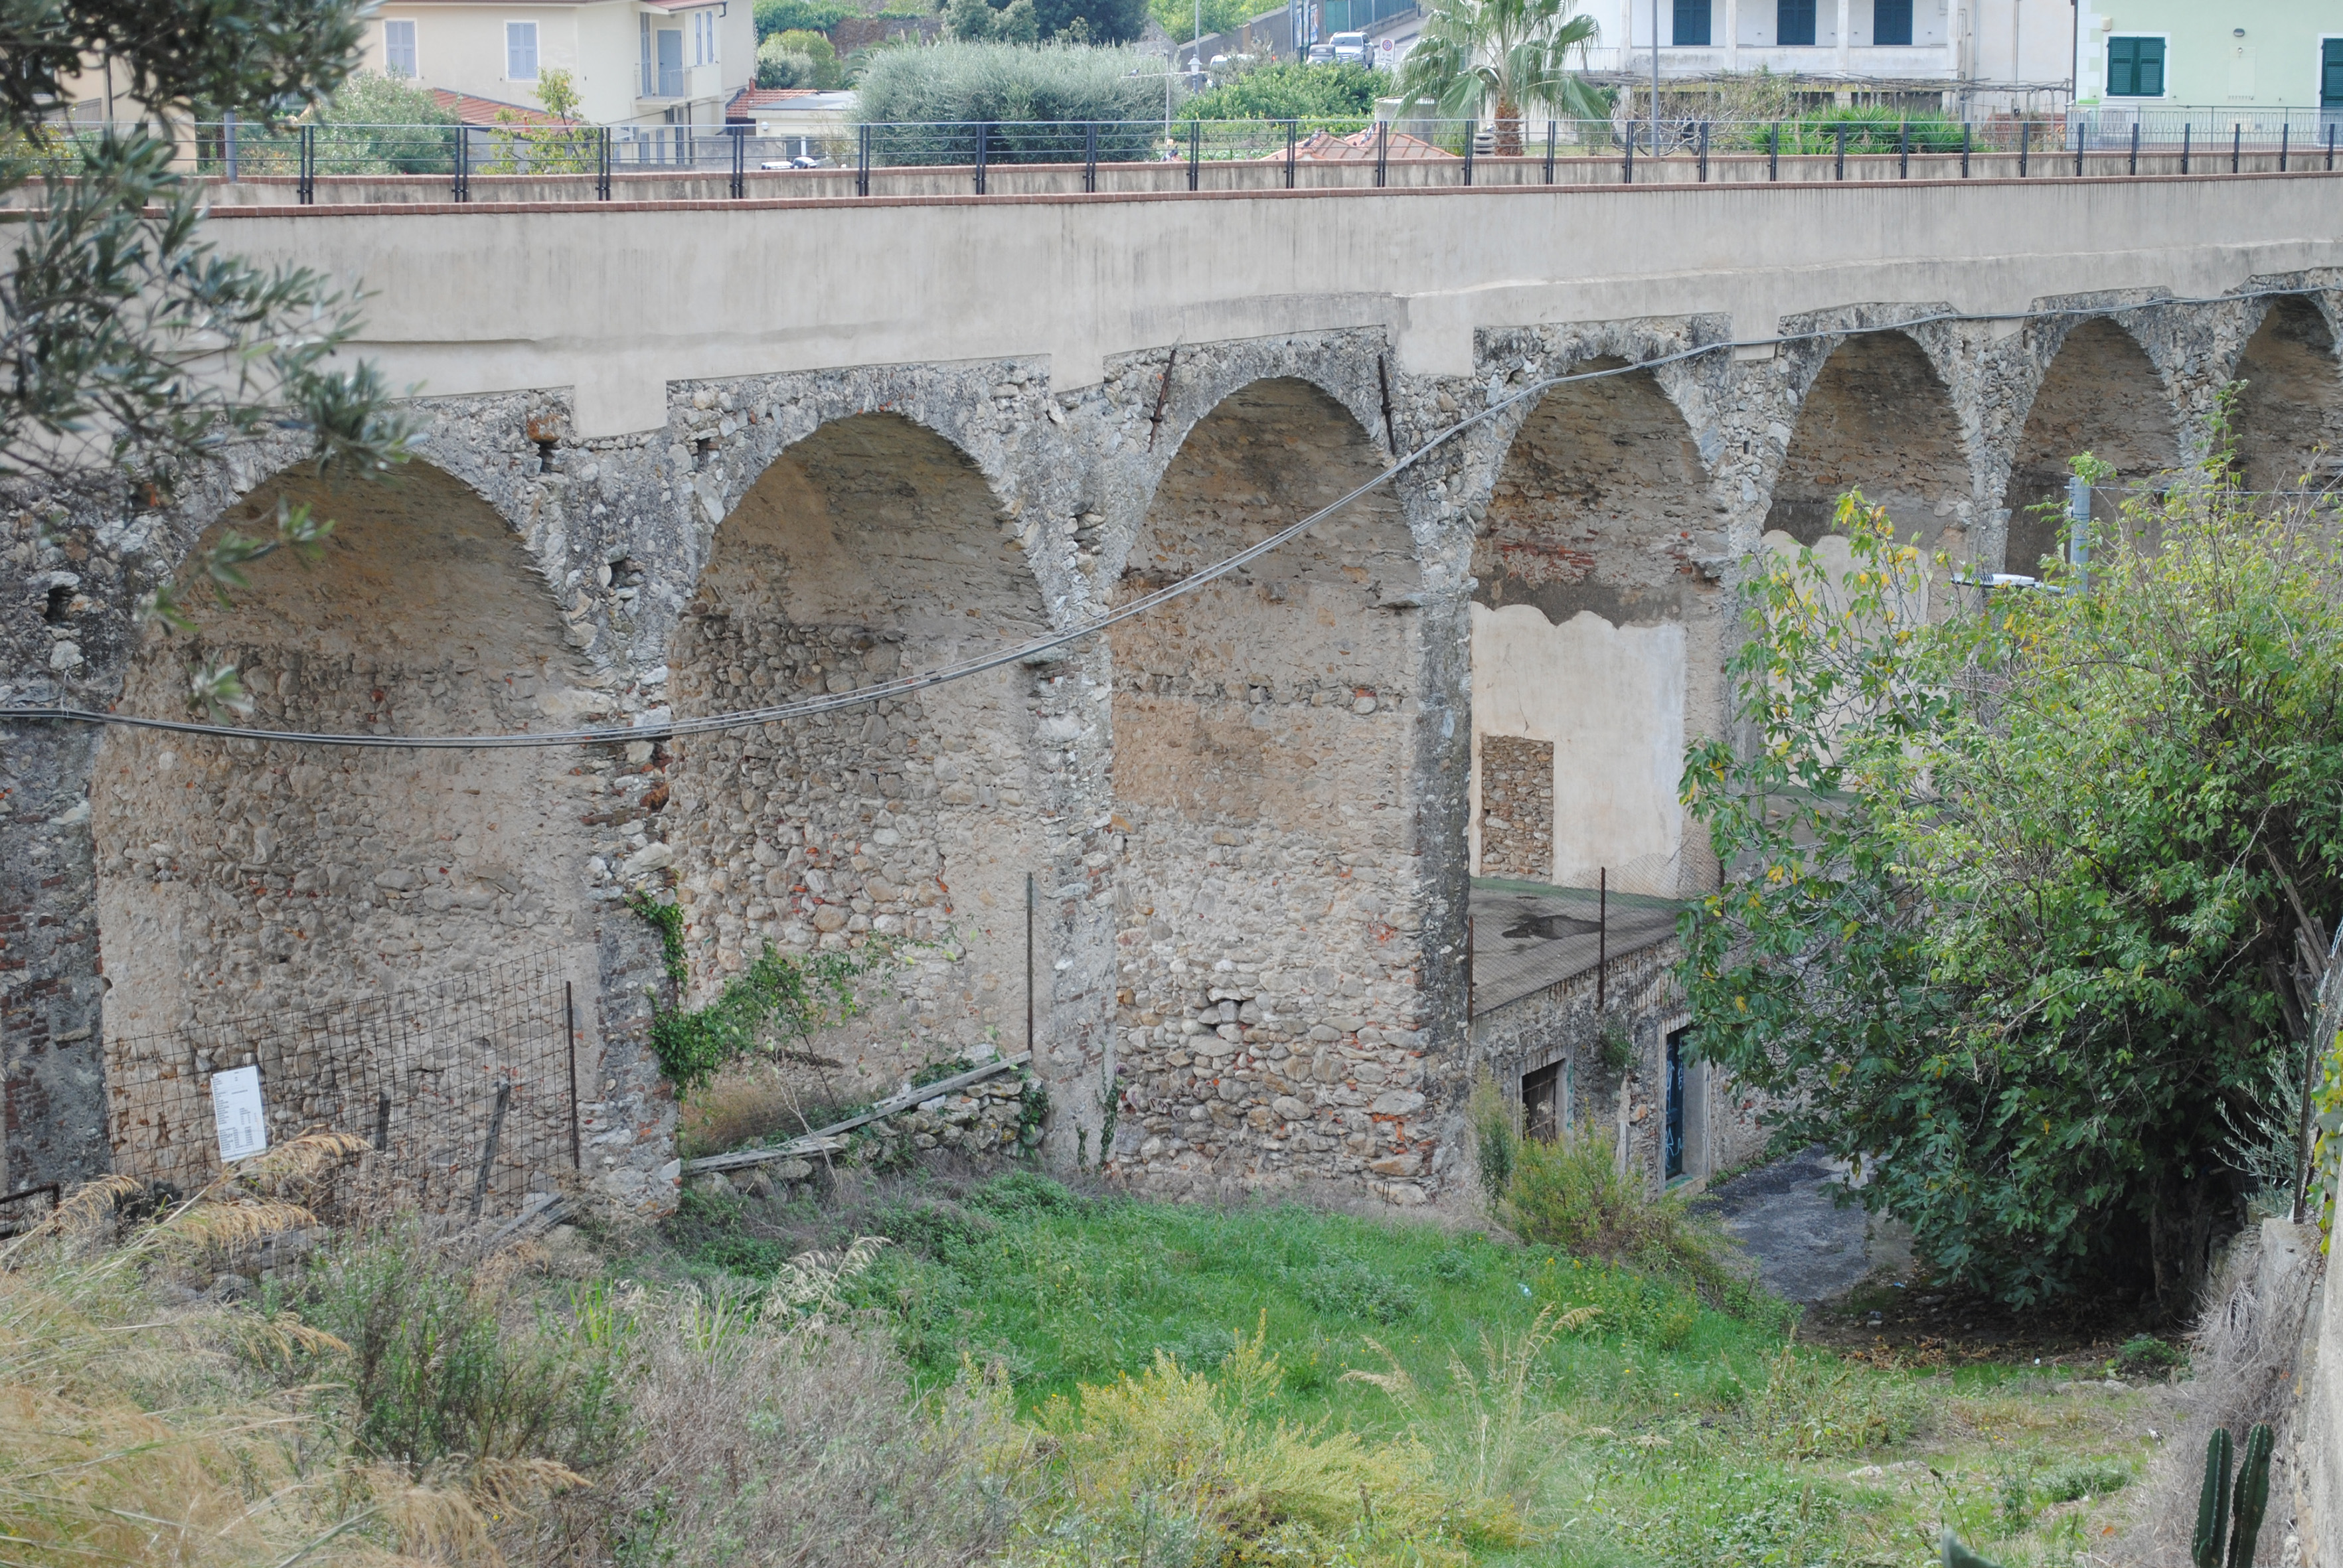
(688, 457)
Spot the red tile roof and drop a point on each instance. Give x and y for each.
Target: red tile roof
(1326, 148)
(474, 111)
(766, 97)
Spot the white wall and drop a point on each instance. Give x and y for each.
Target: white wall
(1610, 702)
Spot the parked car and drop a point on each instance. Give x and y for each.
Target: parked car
(1350, 48)
(1322, 54)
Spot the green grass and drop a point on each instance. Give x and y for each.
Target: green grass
(1667, 1431)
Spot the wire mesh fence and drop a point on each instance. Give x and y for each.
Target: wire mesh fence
(466, 1090)
(571, 162)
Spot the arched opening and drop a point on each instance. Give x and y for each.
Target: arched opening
(2101, 395)
(1878, 419)
(872, 548)
(1589, 617)
(252, 878)
(1264, 732)
(2289, 417)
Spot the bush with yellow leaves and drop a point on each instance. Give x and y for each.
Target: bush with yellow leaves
(1179, 1466)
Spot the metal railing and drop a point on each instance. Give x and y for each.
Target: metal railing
(531, 163)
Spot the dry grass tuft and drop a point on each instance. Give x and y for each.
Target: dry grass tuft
(1495, 1447)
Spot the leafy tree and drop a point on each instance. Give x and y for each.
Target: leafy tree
(1096, 22)
(801, 15)
(1292, 91)
(977, 21)
(1178, 17)
(1008, 86)
(2021, 902)
(1492, 59)
(798, 58)
(366, 127)
(108, 278)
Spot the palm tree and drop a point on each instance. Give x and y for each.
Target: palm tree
(1490, 59)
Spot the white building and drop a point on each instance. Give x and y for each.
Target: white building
(633, 62)
(1992, 52)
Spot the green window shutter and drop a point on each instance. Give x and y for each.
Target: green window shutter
(2151, 67)
(2330, 72)
(2135, 68)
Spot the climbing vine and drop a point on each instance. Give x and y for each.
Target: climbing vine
(772, 1008)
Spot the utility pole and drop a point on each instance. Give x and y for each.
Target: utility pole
(1656, 78)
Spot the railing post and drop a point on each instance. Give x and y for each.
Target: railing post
(862, 162)
(1704, 152)
(1903, 149)
(307, 180)
(1293, 135)
(1841, 130)
(1090, 156)
(2330, 147)
(1774, 151)
(739, 160)
(2237, 143)
(983, 145)
(2285, 142)
(602, 165)
(1550, 129)
(1382, 154)
(2187, 135)
(1965, 149)
(2082, 136)
(1472, 135)
(2134, 148)
(463, 186)
(2024, 145)
(1195, 151)
(227, 144)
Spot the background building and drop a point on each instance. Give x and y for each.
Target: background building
(633, 62)
(2258, 55)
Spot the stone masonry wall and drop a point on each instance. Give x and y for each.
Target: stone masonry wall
(625, 534)
(1517, 808)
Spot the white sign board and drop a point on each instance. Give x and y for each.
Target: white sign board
(235, 1107)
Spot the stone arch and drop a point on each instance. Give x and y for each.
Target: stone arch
(241, 877)
(2289, 417)
(2101, 395)
(1266, 747)
(1588, 622)
(1878, 417)
(870, 548)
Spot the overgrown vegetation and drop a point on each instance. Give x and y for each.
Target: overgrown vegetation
(1007, 85)
(2022, 901)
(1344, 94)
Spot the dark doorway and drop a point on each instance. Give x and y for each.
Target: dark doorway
(1541, 1102)
(1674, 1147)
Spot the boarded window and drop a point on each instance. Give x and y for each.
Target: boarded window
(1517, 808)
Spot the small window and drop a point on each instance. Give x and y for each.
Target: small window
(520, 51)
(2331, 74)
(1891, 21)
(1543, 1112)
(398, 49)
(1691, 22)
(650, 72)
(2135, 68)
(1794, 21)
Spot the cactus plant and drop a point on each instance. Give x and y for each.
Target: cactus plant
(2249, 1499)
(2213, 1503)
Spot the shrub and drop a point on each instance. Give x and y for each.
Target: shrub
(935, 1226)
(1291, 91)
(369, 127)
(1570, 1194)
(1350, 1289)
(1817, 1407)
(799, 16)
(2083, 1478)
(1496, 1136)
(805, 58)
(1017, 1193)
(1007, 86)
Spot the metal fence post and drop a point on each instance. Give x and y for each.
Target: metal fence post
(2024, 145)
(1704, 152)
(1090, 157)
(1382, 154)
(309, 176)
(2285, 142)
(228, 146)
(488, 1154)
(740, 134)
(2330, 148)
(1293, 135)
(2134, 148)
(862, 162)
(2187, 135)
(1965, 149)
(569, 1033)
(2237, 143)
(983, 145)
(602, 165)
(1195, 151)
(1472, 135)
(1627, 174)
(2082, 137)
(1903, 149)
(463, 187)
(1549, 151)
(1774, 151)
(1841, 130)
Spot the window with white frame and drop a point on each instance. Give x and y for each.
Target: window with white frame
(398, 49)
(520, 51)
(703, 37)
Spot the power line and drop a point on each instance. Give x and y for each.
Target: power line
(810, 708)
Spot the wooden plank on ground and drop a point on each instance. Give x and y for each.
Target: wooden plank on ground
(827, 1140)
